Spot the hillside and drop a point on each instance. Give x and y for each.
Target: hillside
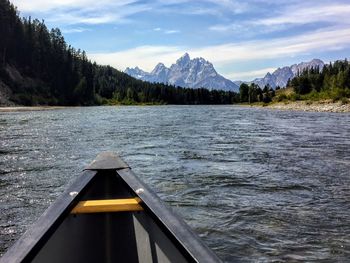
(37, 67)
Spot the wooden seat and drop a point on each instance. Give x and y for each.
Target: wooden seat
(107, 206)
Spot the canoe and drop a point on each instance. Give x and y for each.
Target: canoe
(109, 215)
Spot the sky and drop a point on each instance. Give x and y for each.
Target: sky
(243, 39)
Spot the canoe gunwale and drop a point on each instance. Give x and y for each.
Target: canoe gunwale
(25, 248)
(184, 239)
(107, 161)
(178, 230)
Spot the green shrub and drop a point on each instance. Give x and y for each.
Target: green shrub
(344, 101)
(281, 97)
(294, 97)
(338, 94)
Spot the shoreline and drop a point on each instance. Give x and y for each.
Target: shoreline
(308, 106)
(31, 108)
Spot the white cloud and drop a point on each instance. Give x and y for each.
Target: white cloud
(337, 13)
(172, 2)
(226, 27)
(166, 31)
(75, 30)
(70, 12)
(277, 48)
(232, 6)
(171, 31)
(242, 28)
(71, 19)
(200, 11)
(147, 57)
(45, 5)
(334, 15)
(249, 75)
(119, 11)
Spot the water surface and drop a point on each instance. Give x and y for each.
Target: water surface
(255, 184)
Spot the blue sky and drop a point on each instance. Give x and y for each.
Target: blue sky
(243, 39)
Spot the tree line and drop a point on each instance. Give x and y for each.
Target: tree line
(333, 81)
(54, 73)
(40, 68)
(253, 93)
(330, 82)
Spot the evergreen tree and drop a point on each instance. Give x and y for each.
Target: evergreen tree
(62, 75)
(334, 80)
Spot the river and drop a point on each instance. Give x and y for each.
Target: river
(255, 184)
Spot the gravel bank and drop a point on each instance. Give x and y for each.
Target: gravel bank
(320, 106)
(34, 108)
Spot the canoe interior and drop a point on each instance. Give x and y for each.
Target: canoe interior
(111, 237)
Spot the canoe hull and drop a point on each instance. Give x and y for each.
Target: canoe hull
(150, 234)
(111, 237)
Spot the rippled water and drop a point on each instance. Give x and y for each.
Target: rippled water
(255, 184)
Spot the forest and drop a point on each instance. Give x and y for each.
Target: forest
(38, 67)
(332, 82)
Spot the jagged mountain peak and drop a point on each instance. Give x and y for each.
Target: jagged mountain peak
(184, 60)
(185, 56)
(304, 65)
(317, 60)
(158, 67)
(202, 61)
(136, 72)
(187, 72)
(281, 76)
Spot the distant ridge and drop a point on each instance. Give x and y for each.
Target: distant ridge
(198, 72)
(280, 76)
(186, 72)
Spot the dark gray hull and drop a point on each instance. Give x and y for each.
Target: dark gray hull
(153, 234)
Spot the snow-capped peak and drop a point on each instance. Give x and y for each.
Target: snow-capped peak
(184, 60)
(281, 76)
(158, 68)
(195, 73)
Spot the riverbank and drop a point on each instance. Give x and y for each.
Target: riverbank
(30, 108)
(314, 106)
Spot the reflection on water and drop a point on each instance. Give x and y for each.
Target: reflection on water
(254, 184)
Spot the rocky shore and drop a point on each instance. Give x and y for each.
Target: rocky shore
(30, 108)
(319, 106)
(315, 106)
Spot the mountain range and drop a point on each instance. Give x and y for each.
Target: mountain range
(186, 72)
(198, 73)
(280, 76)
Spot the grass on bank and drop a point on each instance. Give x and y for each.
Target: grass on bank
(128, 102)
(288, 95)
